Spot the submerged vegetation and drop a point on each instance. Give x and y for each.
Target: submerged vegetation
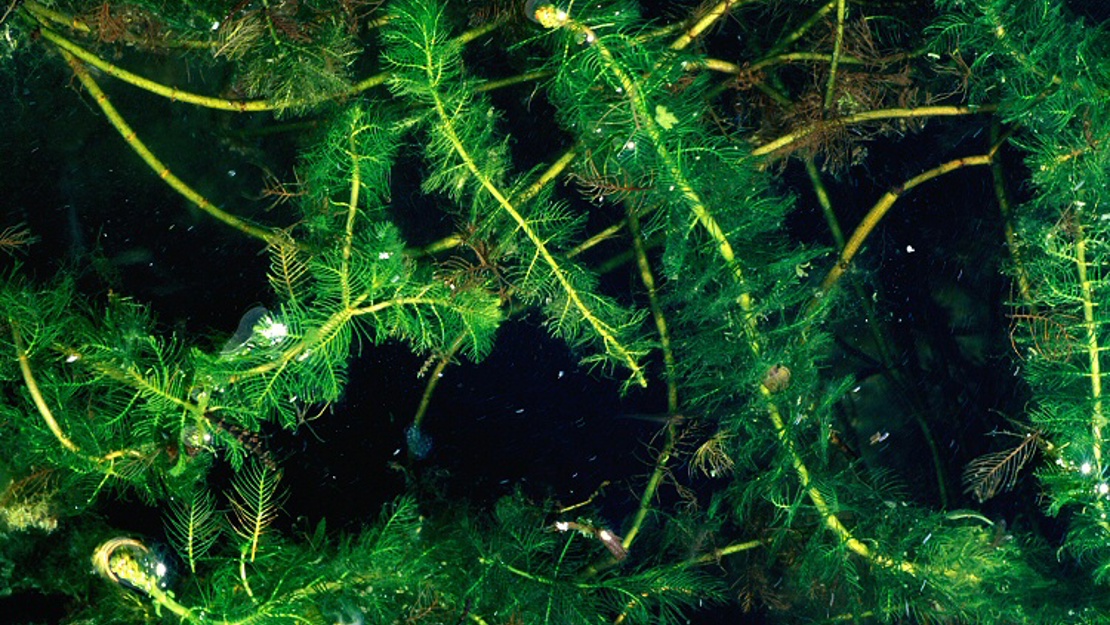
(848, 255)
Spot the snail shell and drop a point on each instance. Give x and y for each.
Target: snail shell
(777, 379)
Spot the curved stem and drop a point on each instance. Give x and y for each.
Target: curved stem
(36, 393)
(661, 469)
(177, 95)
(870, 221)
(879, 210)
(239, 106)
(509, 206)
(433, 379)
(830, 90)
(708, 19)
(832, 522)
(157, 165)
(146, 84)
(867, 116)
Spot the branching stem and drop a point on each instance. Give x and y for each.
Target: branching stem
(879, 210)
(830, 91)
(36, 394)
(868, 116)
(157, 165)
(447, 123)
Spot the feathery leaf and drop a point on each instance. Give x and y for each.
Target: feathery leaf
(997, 472)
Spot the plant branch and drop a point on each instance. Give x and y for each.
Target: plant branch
(711, 16)
(671, 377)
(36, 393)
(157, 165)
(879, 210)
(868, 116)
(830, 91)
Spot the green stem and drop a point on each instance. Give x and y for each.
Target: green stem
(157, 165)
(879, 210)
(868, 116)
(830, 91)
(663, 459)
(1090, 323)
(603, 330)
(799, 32)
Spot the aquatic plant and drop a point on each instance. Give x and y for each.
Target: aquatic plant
(833, 432)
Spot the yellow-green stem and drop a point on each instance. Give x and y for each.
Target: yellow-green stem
(663, 459)
(707, 19)
(879, 210)
(602, 329)
(154, 163)
(36, 394)
(1094, 365)
(830, 91)
(868, 116)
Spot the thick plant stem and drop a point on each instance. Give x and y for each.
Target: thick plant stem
(36, 394)
(174, 94)
(157, 165)
(879, 210)
(670, 437)
(1094, 374)
(868, 116)
(171, 93)
(709, 18)
(830, 90)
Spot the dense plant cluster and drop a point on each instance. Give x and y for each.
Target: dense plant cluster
(716, 207)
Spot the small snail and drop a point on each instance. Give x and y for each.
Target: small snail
(530, 10)
(777, 379)
(545, 13)
(129, 563)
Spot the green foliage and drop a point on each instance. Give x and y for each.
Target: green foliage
(193, 525)
(470, 166)
(1052, 87)
(255, 502)
(791, 504)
